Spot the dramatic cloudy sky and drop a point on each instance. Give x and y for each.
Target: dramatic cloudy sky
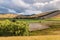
(28, 6)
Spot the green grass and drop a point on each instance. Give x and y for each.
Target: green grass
(49, 31)
(53, 30)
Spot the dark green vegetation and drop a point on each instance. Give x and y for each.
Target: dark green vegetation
(17, 28)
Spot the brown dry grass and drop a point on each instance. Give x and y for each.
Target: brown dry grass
(7, 15)
(57, 16)
(46, 37)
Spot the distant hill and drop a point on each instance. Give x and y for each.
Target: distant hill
(51, 14)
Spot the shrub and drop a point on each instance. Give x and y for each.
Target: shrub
(8, 28)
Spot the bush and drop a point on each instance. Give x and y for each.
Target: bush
(8, 28)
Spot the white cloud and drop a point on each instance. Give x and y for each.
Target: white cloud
(11, 11)
(39, 5)
(20, 3)
(29, 6)
(30, 12)
(57, 4)
(1, 1)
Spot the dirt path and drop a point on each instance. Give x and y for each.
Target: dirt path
(37, 26)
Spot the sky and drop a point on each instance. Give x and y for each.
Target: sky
(28, 7)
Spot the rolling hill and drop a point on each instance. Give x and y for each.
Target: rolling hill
(51, 14)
